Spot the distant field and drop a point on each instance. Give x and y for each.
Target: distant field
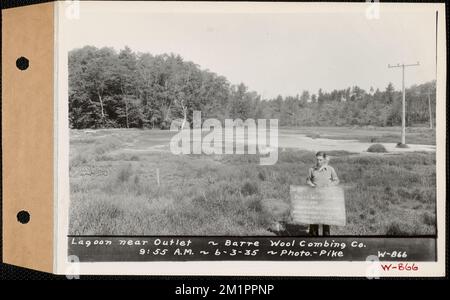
(114, 187)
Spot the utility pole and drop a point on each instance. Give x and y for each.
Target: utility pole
(403, 66)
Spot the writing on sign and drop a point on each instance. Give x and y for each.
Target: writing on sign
(322, 205)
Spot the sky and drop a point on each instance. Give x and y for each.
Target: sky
(273, 48)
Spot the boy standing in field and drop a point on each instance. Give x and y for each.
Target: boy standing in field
(321, 175)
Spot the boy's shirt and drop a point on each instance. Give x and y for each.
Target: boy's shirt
(323, 176)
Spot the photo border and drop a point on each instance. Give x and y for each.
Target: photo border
(243, 268)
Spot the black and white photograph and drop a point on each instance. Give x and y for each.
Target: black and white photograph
(279, 121)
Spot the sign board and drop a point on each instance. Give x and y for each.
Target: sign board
(324, 205)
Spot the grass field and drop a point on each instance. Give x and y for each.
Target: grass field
(126, 182)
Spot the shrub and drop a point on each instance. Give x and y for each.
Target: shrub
(124, 174)
(377, 148)
(255, 205)
(262, 175)
(429, 218)
(418, 206)
(394, 228)
(249, 188)
(313, 135)
(136, 180)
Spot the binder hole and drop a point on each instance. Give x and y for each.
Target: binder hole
(22, 63)
(23, 216)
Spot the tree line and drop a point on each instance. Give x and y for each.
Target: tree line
(125, 89)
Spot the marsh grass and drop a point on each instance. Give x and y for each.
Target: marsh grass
(117, 192)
